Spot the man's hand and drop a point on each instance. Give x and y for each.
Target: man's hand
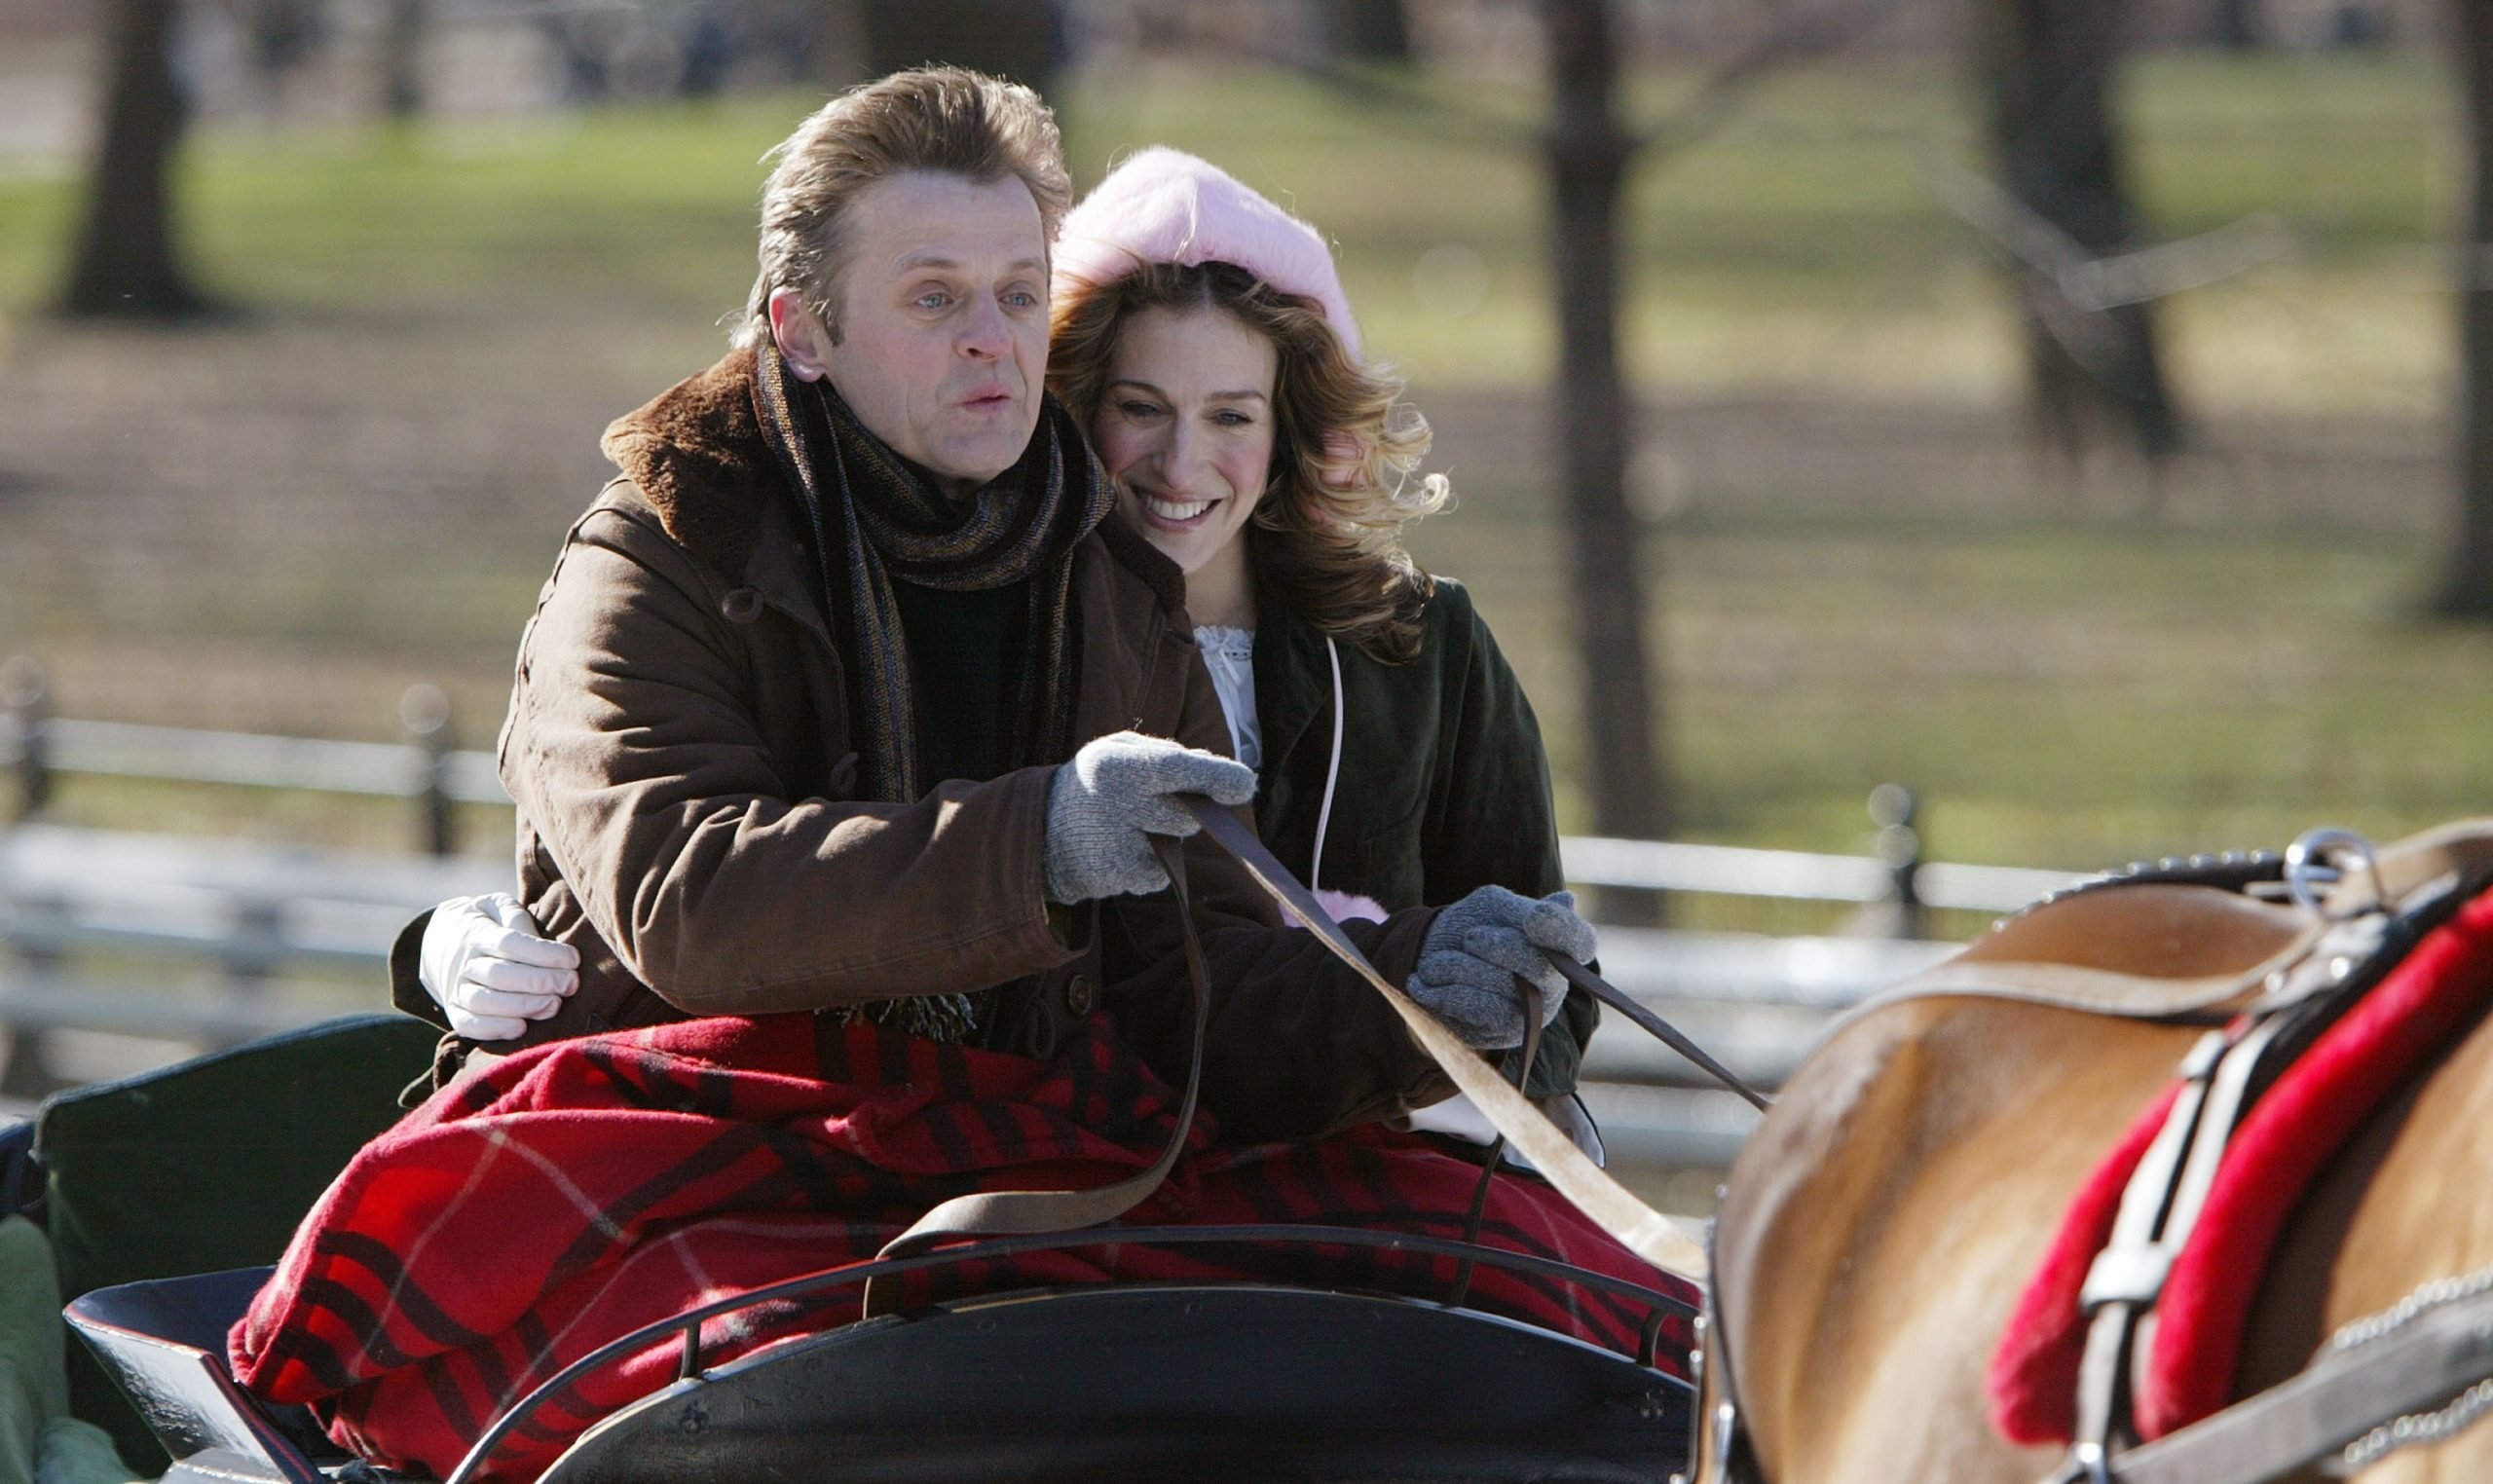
(1114, 793)
(1475, 949)
(492, 969)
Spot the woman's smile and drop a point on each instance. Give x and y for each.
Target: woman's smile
(1174, 514)
(1185, 428)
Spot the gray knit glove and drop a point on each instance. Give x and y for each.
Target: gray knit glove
(1113, 793)
(1474, 950)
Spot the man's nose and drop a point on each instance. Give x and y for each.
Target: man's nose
(987, 335)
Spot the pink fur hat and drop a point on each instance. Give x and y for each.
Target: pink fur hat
(1165, 205)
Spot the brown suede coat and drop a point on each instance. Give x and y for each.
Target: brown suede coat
(678, 743)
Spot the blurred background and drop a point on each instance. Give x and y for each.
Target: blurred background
(2062, 412)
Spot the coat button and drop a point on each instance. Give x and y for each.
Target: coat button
(742, 606)
(1081, 996)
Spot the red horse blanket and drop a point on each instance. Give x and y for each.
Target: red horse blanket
(2415, 1013)
(577, 1191)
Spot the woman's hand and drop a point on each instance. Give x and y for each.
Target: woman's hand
(1476, 949)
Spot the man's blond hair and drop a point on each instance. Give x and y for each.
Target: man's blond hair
(946, 119)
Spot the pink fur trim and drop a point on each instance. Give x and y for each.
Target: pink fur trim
(1349, 906)
(1165, 205)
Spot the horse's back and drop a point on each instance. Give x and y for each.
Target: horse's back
(1882, 1222)
(1878, 1224)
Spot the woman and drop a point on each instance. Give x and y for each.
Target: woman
(1200, 334)
(1202, 337)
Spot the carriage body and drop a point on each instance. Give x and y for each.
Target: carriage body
(1244, 1379)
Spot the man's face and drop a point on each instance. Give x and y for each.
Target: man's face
(943, 323)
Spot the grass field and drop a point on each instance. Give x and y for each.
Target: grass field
(359, 483)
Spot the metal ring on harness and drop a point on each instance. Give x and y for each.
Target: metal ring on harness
(2307, 867)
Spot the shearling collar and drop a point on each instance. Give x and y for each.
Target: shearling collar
(697, 453)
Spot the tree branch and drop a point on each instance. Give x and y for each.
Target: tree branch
(2092, 284)
(1799, 36)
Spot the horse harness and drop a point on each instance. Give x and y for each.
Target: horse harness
(2415, 1374)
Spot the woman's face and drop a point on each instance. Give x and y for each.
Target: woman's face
(1185, 428)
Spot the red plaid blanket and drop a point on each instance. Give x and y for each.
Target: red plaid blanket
(577, 1191)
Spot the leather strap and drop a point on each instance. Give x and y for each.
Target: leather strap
(2404, 869)
(2094, 991)
(1667, 1243)
(2412, 863)
(2338, 1399)
(1015, 1213)
(2122, 1289)
(1656, 1026)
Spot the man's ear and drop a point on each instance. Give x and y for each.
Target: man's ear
(804, 343)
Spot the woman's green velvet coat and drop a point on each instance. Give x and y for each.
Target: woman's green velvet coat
(1443, 784)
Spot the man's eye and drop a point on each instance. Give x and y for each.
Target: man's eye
(932, 299)
(1022, 298)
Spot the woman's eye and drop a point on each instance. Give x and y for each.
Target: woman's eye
(1233, 418)
(1140, 410)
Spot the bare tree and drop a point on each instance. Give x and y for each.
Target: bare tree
(1018, 39)
(2466, 583)
(403, 28)
(1589, 155)
(1367, 30)
(2047, 66)
(125, 261)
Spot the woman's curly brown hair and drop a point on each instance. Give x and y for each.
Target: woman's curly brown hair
(1326, 541)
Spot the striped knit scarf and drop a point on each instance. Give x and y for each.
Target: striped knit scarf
(876, 520)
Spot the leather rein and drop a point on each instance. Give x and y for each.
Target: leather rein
(1668, 1243)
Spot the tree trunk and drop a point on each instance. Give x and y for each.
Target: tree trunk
(1016, 39)
(125, 262)
(2466, 584)
(1588, 157)
(2048, 64)
(1367, 30)
(2237, 24)
(403, 26)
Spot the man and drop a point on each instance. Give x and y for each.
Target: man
(842, 697)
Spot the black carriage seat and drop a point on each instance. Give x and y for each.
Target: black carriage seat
(163, 1341)
(1160, 1383)
(207, 1164)
(20, 1177)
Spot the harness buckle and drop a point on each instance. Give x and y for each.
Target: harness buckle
(2087, 1463)
(2311, 862)
(2125, 1276)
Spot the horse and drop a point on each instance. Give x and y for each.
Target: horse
(1876, 1231)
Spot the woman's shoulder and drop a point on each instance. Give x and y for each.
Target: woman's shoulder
(1445, 601)
(1451, 627)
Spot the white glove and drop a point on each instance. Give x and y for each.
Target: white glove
(492, 969)
(1106, 802)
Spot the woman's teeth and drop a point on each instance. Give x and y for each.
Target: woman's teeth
(1170, 510)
